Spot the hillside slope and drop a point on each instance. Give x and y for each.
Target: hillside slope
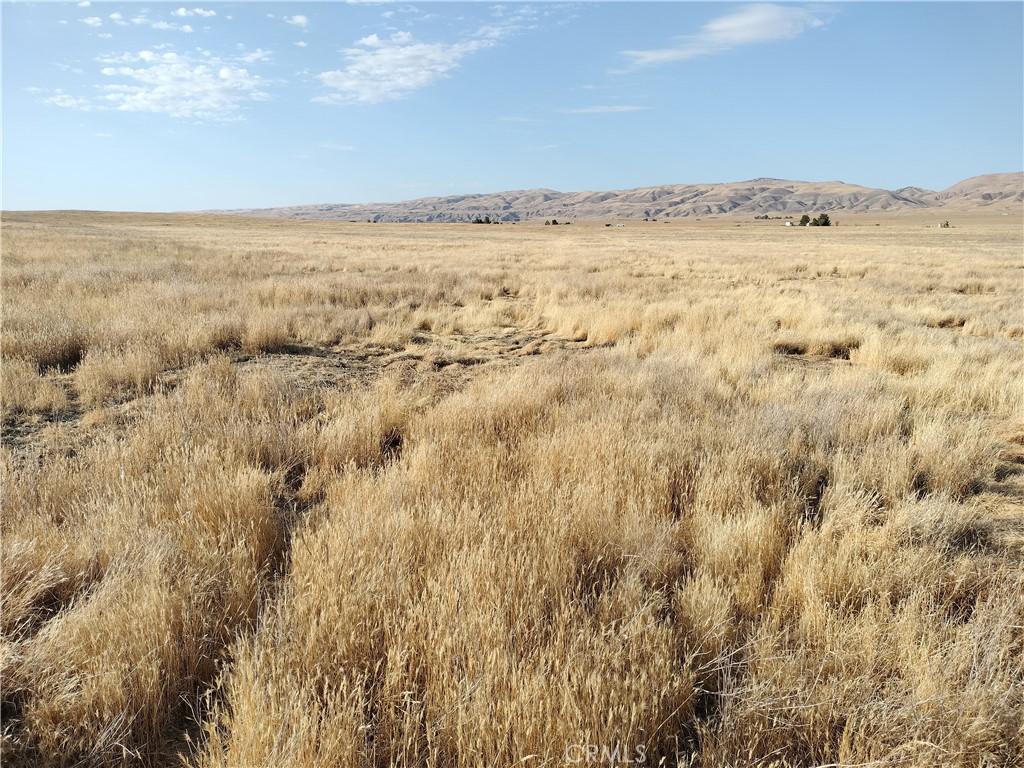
(755, 197)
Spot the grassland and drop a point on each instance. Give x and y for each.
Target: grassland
(715, 494)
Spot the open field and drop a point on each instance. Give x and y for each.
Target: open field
(716, 493)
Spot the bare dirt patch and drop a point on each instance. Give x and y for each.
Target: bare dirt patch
(454, 357)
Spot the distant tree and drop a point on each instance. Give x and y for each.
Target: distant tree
(805, 220)
(822, 221)
(554, 222)
(547, 223)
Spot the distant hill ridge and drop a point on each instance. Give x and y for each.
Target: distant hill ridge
(999, 191)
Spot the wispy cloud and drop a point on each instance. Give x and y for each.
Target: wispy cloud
(752, 24)
(381, 68)
(166, 25)
(61, 99)
(142, 19)
(185, 12)
(193, 85)
(93, 21)
(385, 69)
(297, 21)
(334, 146)
(605, 110)
(253, 56)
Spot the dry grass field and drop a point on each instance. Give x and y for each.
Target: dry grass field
(717, 494)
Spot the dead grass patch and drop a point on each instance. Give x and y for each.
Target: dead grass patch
(349, 495)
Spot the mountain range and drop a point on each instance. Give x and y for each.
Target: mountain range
(999, 192)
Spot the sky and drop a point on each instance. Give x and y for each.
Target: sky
(171, 107)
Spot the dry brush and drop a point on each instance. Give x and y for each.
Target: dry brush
(286, 494)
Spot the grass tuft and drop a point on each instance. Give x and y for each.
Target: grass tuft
(300, 494)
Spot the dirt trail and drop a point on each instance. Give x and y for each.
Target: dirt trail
(451, 360)
(459, 356)
(1002, 498)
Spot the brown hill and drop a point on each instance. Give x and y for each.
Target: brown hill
(986, 190)
(756, 197)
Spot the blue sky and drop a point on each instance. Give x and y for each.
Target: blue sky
(157, 106)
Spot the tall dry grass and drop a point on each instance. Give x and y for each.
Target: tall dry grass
(287, 494)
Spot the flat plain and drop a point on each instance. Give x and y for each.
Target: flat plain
(712, 493)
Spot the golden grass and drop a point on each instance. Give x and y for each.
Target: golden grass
(294, 494)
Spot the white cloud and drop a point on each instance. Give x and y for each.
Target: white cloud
(191, 86)
(253, 56)
(93, 21)
(164, 25)
(104, 35)
(298, 21)
(103, 135)
(84, 4)
(61, 99)
(118, 19)
(752, 24)
(387, 69)
(185, 12)
(301, 43)
(143, 20)
(63, 21)
(336, 147)
(379, 69)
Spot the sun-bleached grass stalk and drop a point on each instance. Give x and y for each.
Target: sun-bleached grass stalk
(696, 491)
(23, 388)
